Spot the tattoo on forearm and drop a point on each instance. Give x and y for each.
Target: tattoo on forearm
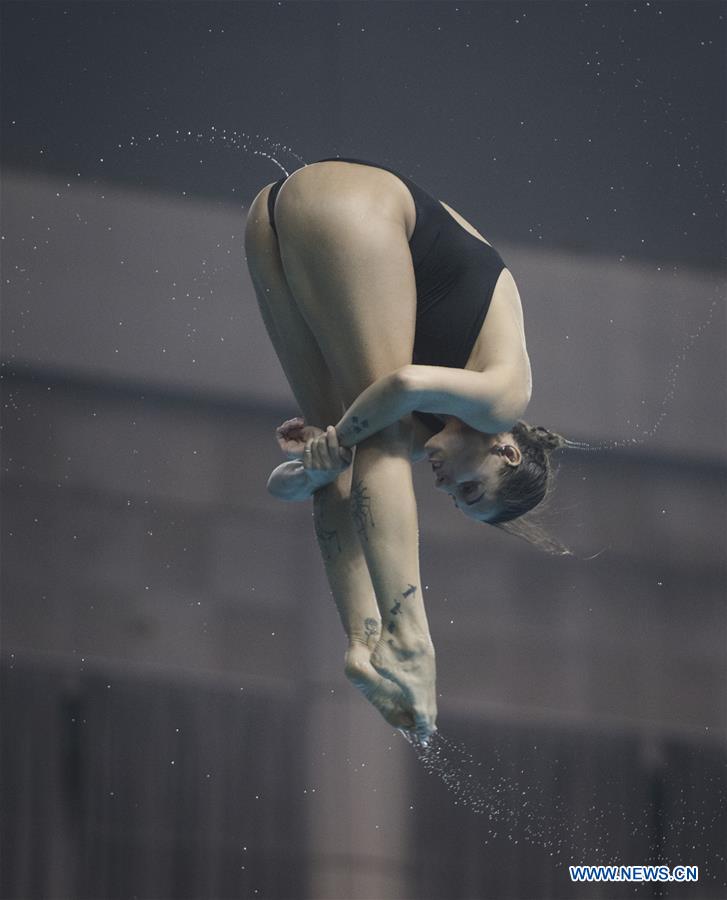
(361, 509)
(354, 428)
(409, 591)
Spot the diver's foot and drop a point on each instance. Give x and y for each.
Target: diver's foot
(411, 666)
(386, 696)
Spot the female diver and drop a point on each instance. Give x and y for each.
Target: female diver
(394, 319)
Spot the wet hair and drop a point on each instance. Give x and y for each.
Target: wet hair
(526, 485)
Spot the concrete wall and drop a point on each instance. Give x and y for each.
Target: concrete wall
(138, 538)
(155, 289)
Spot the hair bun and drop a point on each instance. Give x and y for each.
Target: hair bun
(547, 439)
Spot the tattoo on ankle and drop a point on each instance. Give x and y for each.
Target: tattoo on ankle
(371, 627)
(361, 509)
(396, 608)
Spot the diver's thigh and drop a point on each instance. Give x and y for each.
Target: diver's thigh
(295, 345)
(350, 270)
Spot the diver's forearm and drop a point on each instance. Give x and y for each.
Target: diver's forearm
(380, 405)
(383, 508)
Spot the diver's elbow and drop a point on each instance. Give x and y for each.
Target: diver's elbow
(510, 408)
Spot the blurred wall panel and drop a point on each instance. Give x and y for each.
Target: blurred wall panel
(162, 287)
(141, 547)
(138, 528)
(141, 550)
(116, 786)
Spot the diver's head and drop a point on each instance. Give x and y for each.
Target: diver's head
(492, 478)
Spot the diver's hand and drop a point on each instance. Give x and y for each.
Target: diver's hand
(411, 667)
(293, 435)
(384, 695)
(324, 459)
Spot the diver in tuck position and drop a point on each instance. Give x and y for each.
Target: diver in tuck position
(399, 328)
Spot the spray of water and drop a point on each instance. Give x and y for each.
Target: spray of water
(240, 141)
(671, 382)
(266, 147)
(519, 807)
(514, 809)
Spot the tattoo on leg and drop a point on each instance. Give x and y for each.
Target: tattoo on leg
(327, 537)
(328, 541)
(361, 509)
(371, 627)
(396, 608)
(394, 612)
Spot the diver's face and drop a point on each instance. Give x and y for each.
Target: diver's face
(468, 465)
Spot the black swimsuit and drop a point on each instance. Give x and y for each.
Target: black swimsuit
(455, 276)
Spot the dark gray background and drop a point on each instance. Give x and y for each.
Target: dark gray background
(591, 126)
(176, 723)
